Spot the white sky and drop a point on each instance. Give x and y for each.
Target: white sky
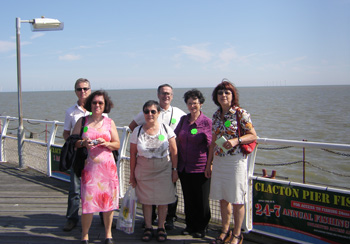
(135, 44)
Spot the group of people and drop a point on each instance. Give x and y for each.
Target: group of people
(166, 144)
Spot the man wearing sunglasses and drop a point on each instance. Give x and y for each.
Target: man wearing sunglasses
(171, 116)
(82, 91)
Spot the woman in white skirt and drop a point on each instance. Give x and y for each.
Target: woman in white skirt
(226, 165)
(153, 168)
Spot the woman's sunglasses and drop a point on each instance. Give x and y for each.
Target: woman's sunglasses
(225, 91)
(146, 111)
(99, 103)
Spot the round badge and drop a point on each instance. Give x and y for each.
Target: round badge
(161, 137)
(194, 131)
(173, 121)
(227, 123)
(85, 129)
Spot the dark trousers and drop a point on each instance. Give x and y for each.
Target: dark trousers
(196, 187)
(73, 197)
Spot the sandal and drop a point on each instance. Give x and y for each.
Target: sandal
(147, 234)
(231, 236)
(219, 240)
(161, 235)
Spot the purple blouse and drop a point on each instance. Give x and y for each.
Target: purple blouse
(193, 143)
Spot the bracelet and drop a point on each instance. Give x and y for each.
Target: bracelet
(174, 169)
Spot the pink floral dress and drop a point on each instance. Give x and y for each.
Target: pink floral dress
(99, 179)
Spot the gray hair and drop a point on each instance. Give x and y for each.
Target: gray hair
(81, 80)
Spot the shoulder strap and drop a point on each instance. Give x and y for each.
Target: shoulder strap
(138, 134)
(82, 126)
(165, 128)
(238, 122)
(171, 117)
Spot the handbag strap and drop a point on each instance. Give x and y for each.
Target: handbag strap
(238, 123)
(82, 126)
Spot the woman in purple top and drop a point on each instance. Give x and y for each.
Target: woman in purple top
(193, 137)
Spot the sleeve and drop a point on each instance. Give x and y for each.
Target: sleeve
(179, 125)
(67, 121)
(208, 132)
(133, 136)
(139, 118)
(246, 122)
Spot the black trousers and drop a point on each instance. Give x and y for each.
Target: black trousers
(196, 187)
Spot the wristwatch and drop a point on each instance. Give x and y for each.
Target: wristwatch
(239, 140)
(174, 169)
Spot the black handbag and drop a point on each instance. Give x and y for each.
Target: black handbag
(81, 154)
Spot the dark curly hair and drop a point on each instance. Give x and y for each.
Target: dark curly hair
(226, 85)
(108, 102)
(194, 94)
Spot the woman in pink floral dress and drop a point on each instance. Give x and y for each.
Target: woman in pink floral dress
(99, 179)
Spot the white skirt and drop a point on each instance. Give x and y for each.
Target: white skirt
(229, 179)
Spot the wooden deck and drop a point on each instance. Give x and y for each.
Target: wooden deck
(33, 208)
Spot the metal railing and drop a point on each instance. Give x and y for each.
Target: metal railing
(37, 153)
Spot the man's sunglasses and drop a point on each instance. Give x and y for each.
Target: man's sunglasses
(80, 89)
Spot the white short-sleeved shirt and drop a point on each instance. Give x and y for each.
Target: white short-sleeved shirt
(152, 146)
(170, 117)
(73, 114)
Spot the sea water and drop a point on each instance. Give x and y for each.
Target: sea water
(312, 113)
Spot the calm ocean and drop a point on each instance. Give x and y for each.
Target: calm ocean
(312, 113)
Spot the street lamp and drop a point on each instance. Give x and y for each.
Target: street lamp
(39, 24)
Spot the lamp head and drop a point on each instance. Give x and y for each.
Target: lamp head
(46, 24)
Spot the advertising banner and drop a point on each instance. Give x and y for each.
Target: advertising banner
(303, 212)
(55, 162)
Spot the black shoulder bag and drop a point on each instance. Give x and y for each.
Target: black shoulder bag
(81, 154)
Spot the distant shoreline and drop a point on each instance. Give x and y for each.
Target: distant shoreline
(153, 88)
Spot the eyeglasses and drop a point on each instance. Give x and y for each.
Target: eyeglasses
(192, 104)
(221, 92)
(84, 88)
(99, 103)
(166, 94)
(146, 111)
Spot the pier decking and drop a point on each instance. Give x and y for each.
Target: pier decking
(33, 208)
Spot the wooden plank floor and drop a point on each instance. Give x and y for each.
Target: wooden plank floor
(33, 208)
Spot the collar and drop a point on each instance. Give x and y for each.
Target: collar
(198, 120)
(168, 110)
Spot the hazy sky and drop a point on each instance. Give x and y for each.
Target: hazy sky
(188, 43)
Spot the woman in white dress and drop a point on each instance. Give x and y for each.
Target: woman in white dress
(228, 170)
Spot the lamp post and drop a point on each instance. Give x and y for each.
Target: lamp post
(39, 24)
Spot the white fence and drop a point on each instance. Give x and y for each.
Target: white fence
(41, 135)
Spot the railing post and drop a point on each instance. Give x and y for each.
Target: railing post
(3, 134)
(304, 164)
(49, 143)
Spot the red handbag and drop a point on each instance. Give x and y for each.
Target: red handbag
(245, 148)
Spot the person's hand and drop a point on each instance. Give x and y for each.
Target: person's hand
(132, 182)
(207, 172)
(175, 176)
(88, 143)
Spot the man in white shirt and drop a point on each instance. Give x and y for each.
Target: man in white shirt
(171, 116)
(82, 91)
